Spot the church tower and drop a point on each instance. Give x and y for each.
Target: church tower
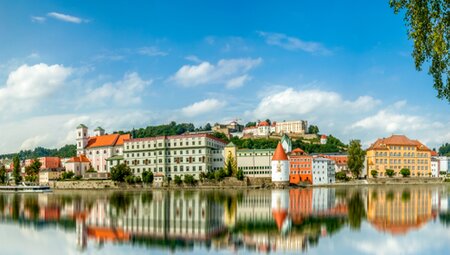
(82, 139)
(280, 166)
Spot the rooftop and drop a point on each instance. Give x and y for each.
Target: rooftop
(401, 140)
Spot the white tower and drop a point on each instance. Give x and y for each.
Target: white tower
(99, 131)
(82, 139)
(280, 166)
(323, 139)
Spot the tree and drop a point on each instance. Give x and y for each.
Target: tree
(3, 176)
(405, 172)
(120, 172)
(240, 175)
(312, 129)
(178, 180)
(32, 170)
(428, 25)
(67, 175)
(16, 170)
(207, 127)
(230, 165)
(147, 177)
(250, 124)
(356, 156)
(390, 172)
(341, 176)
(444, 150)
(189, 179)
(219, 174)
(374, 173)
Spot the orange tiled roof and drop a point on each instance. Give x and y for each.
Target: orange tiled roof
(79, 159)
(323, 137)
(263, 124)
(279, 153)
(298, 151)
(434, 153)
(107, 140)
(382, 143)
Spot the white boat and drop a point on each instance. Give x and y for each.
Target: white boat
(24, 188)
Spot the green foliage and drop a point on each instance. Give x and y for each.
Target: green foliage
(32, 170)
(445, 149)
(428, 25)
(406, 196)
(312, 129)
(356, 157)
(219, 175)
(405, 172)
(230, 165)
(177, 180)
(120, 172)
(390, 172)
(356, 211)
(66, 151)
(67, 175)
(3, 177)
(16, 170)
(77, 177)
(147, 177)
(341, 176)
(374, 173)
(240, 175)
(130, 179)
(168, 129)
(250, 124)
(189, 179)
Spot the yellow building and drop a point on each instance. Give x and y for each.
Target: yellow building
(397, 152)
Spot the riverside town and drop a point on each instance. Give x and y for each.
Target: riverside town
(202, 127)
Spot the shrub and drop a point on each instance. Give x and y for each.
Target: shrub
(374, 173)
(189, 179)
(147, 177)
(219, 175)
(67, 175)
(240, 175)
(77, 177)
(341, 176)
(130, 179)
(405, 172)
(203, 176)
(177, 180)
(120, 172)
(390, 172)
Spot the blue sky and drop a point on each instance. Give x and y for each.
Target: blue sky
(342, 65)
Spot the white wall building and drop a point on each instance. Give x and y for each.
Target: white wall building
(291, 127)
(435, 166)
(100, 147)
(323, 171)
(280, 166)
(444, 163)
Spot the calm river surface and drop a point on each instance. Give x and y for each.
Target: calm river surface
(367, 220)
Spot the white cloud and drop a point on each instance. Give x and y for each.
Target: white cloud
(293, 43)
(193, 58)
(152, 52)
(291, 103)
(29, 85)
(38, 19)
(124, 92)
(238, 81)
(66, 18)
(221, 73)
(202, 107)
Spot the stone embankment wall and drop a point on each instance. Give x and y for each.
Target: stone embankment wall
(100, 184)
(407, 180)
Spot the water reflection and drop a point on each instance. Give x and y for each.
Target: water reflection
(254, 220)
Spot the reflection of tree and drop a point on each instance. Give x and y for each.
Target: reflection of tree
(390, 195)
(147, 197)
(2, 203)
(444, 218)
(356, 211)
(120, 202)
(16, 207)
(31, 204)
(406, 195)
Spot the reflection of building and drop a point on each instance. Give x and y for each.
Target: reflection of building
(254, 206)
(400, 210)
(397, 152)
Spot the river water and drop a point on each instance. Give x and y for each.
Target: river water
(411, 219)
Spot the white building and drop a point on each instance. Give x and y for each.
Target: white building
(323, 139)
(175, 155)
(291, 127)
(435, 167)
(323, 171)
(99, 147)
(444, 163)
(280, 166)
(255, 162)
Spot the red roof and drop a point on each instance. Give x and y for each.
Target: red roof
(434, 153)
(323, 137)
(264, 124)
(107, 140)
(381, 144)
(298, 151)
(279, 153)
(79, 159)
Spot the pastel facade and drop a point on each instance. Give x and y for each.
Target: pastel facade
(323, 170)
(48, 175)
(100, 147)
(397, 152)
(175, 155)
(255, 162)
(300, 167)
(46, 162)
(78, 165)
(291, 127)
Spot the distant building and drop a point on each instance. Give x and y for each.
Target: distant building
(262, 129)
(46, 176)
(323, 170)
(100, 147)
(444, 163)
(435, 167)
(291, 127)
(51, 163)
(255, 162)
(78, 165)
(286, 142)
(228, 129)
(397, 152)
(323, 139)
(280, 166)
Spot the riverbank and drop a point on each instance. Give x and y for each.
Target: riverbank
(232, 183)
